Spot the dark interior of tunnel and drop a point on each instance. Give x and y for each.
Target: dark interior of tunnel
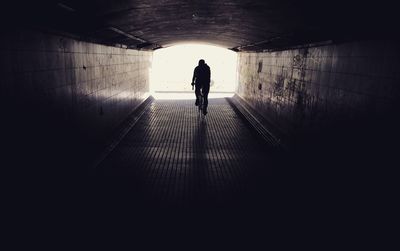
(318, 90)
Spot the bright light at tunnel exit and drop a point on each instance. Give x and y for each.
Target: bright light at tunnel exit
(172, 70)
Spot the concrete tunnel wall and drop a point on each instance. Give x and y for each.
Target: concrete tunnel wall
(317, 91)
(67, 89)
(79, 92)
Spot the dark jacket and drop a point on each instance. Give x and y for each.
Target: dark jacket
(201, 75)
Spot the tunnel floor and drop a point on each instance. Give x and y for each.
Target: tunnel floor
(173, 155)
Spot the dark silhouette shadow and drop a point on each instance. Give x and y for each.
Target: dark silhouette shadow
(201, 81)
(199, 169)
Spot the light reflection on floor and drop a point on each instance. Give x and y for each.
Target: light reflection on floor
(188, 95)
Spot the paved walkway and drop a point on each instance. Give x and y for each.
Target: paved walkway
(176, 156)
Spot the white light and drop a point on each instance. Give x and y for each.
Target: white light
(172, 70)
(186, 95)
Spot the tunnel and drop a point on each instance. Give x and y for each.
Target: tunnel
(308, 133)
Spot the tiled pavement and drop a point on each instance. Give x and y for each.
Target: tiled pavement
(177, 176)
(176, 156)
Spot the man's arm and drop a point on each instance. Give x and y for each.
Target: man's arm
(194, 76)
(209, 75)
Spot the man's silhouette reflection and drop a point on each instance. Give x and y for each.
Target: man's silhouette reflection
(201, 81)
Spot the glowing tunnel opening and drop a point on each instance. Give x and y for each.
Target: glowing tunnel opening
(172, 70)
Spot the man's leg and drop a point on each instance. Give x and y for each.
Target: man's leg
(197, 93)
(206, 90)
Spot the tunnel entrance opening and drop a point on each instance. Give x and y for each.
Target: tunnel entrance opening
(172, 70)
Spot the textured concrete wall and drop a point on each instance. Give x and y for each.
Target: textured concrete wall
(84, 89)
(322, 89)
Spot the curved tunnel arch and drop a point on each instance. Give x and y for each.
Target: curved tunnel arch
(236, 24)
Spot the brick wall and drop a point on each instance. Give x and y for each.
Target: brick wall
(306, 90)
(84, 89)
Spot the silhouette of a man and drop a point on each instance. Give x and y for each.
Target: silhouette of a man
(201, 81)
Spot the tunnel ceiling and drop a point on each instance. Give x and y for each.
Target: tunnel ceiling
(238, 25)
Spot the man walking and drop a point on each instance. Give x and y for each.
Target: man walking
(201, 81)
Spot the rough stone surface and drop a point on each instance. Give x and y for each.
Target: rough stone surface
(241, 24)
(306, 90)
(82, 88)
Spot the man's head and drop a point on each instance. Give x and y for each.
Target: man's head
(202, 62)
